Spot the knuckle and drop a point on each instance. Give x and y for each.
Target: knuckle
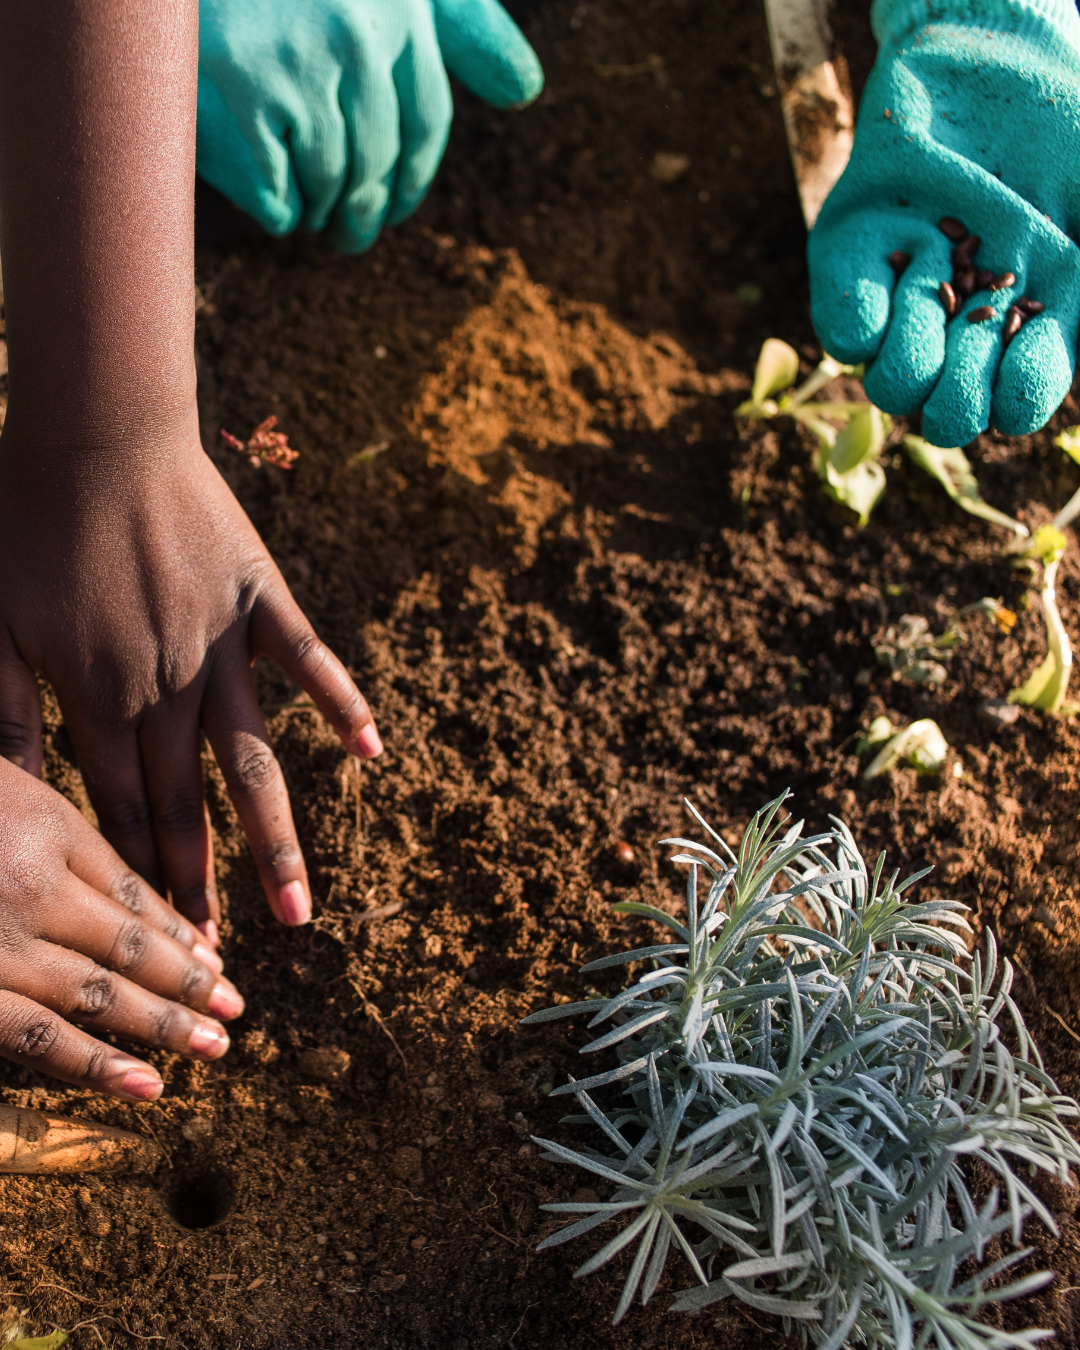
(130, 946)
(97, 996)
(163, 1024)
(281, 853)
(182, 814)
(254, 769)
(97, 1063)
(36, 1039)
(128, 891)
(125, 818)
(309, 650)
(16, 739)
(194, 980)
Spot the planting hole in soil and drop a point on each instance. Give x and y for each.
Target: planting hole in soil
(199, 1198)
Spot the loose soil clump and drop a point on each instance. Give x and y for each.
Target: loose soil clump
(572, 592)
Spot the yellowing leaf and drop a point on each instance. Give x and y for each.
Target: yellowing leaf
(777, 368)
(922, 744)
(858, 489)
(952, 469)
(51, 1342)
(1069, 441)
(860, 440)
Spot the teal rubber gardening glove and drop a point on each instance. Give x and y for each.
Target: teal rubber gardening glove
(334, 114)
(972, 111)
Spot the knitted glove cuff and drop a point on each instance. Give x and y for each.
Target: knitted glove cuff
(1044, 22)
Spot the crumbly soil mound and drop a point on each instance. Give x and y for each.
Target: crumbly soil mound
(573, 594)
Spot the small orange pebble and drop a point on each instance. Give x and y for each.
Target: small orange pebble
(624, 852)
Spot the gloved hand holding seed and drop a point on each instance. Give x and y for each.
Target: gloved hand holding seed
(335, 113)
(965, 171)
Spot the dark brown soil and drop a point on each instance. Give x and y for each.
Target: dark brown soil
(573, 594)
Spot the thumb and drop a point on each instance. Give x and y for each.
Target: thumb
(20, 710)
(486, 50)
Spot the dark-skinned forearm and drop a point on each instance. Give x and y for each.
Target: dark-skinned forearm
(97, 164)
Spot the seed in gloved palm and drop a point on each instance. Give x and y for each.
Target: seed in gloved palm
(952, 228)
(981, 314)
(984, 279)
(1030, 307)
(948, 298)
(1013, 322)
(964, 283)
(898, 260)
(1002, 282)
(966, 250)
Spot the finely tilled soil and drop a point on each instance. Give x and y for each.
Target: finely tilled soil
(573, 593)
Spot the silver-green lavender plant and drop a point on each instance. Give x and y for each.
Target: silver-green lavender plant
(804, 1071)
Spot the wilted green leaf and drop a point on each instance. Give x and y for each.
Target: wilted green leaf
(953, 471)
(860, 440)
(921, 744)
(777, 368)
(880, 729)
(1046, 686)
(859, 488)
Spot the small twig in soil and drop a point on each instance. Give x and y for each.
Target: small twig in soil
(381, 911)
(358, 847)
(376, 1016)
(528, 1310)
(1061, 1019)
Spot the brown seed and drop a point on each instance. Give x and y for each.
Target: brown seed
(1030, 307)
(947, 296)
(898, 260)
(1013, 322)
(966, 250)
(964, 283)
(1003, 281)
(984, 279)
(949, 225)
(981, 314)
(624, 852)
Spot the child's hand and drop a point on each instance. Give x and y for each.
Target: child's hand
(143, 594)
(86, 941)
(336, 112)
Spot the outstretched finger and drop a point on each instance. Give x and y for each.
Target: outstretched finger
(111, 767)
(40, 1039)
(283, 634)
(172, 767)
(93, 926)
(91, 995)
(237, 735)
(20, 710)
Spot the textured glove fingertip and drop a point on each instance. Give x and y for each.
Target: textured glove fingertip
(1035, 376)
(486, 50)
(850, 326)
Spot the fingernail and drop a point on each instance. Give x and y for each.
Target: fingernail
(142, 1085)
(208, 1041)
(293, 903)
(209, 931)
(225, 1002)
(368, 742)
(208, 957)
